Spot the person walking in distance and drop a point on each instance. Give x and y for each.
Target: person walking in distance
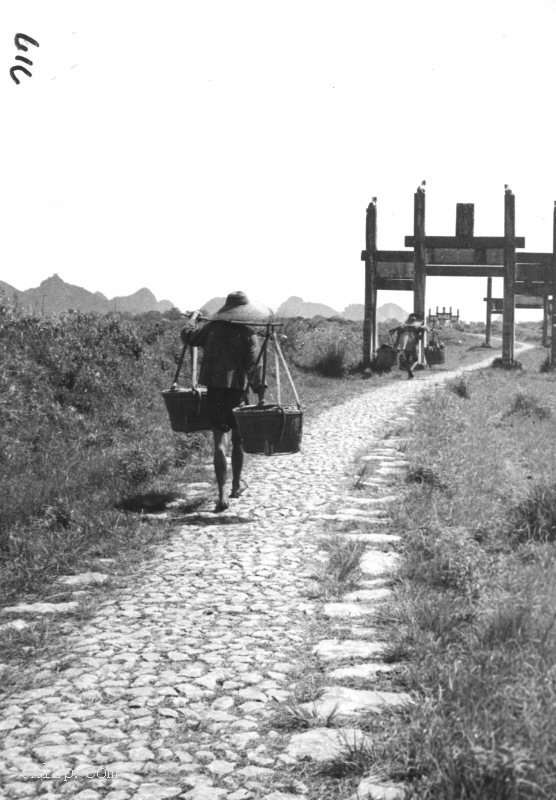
(408, 337)
(229, 368)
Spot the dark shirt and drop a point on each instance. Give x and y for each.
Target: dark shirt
(409, 336)
(229, 355)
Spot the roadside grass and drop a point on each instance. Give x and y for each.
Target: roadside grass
(475, 602)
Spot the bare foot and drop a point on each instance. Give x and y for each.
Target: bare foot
(222, 505)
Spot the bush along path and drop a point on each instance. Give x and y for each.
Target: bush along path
(179, 685)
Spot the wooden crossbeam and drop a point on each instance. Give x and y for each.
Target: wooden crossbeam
(522, 301)
(534, 258)
(392, 270)
(459, 271)
(477, 242)
(395, 255)
(533, 289)
(465, 255)
(390, 266)
(395, 285)
(532, 272)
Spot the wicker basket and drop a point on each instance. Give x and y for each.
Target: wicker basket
(187, 410)
(386, 356)
(435, 355)
(269, 429)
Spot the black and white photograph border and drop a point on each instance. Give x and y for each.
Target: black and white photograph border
(277, 370)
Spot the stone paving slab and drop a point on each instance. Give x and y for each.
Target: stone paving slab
(348, 610)
(341, 702)
(40, 609)
(369, 789)
(344, 649)
(368, 671)
(376, 562)
(365, 596)
(325, 744)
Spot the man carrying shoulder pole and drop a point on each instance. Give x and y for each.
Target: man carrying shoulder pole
(229, 368)
(408, 337)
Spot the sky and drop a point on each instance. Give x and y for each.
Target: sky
(199, 147)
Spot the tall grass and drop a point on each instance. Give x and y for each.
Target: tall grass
(477, 598)
(82, 426)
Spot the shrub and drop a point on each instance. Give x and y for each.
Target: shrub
(534, 517)
(330, 351)
(529, 406)
(459, 387)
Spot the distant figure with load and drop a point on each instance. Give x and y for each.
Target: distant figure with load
(229, 368)
(408, 337)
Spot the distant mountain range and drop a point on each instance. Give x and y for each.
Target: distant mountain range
(55, 295)
(296, 307)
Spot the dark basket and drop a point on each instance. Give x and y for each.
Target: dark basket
(435, 355)
(187, 409)
(269, 429)
(386, 356)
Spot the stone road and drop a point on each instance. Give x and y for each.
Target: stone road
(172, 683)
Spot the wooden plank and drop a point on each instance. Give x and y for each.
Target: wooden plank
(493, 255)
(465, 256)
(391, 270)
(534, 258)
(395, 255)
(457, 271)
(508, 320)
(478, 242)
(394, 285)
(522, 301)
(465, 220)
(531, 272)
(546, 311)
(532, 289)
(450, 255)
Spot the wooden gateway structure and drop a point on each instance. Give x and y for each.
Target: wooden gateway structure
(527, 275)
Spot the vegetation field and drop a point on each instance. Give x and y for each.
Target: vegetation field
(86, 449)
(475, 605)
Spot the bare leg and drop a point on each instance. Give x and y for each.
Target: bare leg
(220, 467)
(237, 460)
(410, 359)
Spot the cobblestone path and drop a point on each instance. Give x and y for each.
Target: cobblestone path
(171, 682)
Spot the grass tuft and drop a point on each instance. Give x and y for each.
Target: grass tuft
(459, 386)
(424, 476)
(533, 519)
(529, 406)
(342, 569)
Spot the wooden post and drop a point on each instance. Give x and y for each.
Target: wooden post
(419, 258)
(553, 320)
(488, 331)
(545, 320)
(369, 321)
(509, 278)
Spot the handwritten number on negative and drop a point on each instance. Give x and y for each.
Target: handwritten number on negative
(19, 39)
